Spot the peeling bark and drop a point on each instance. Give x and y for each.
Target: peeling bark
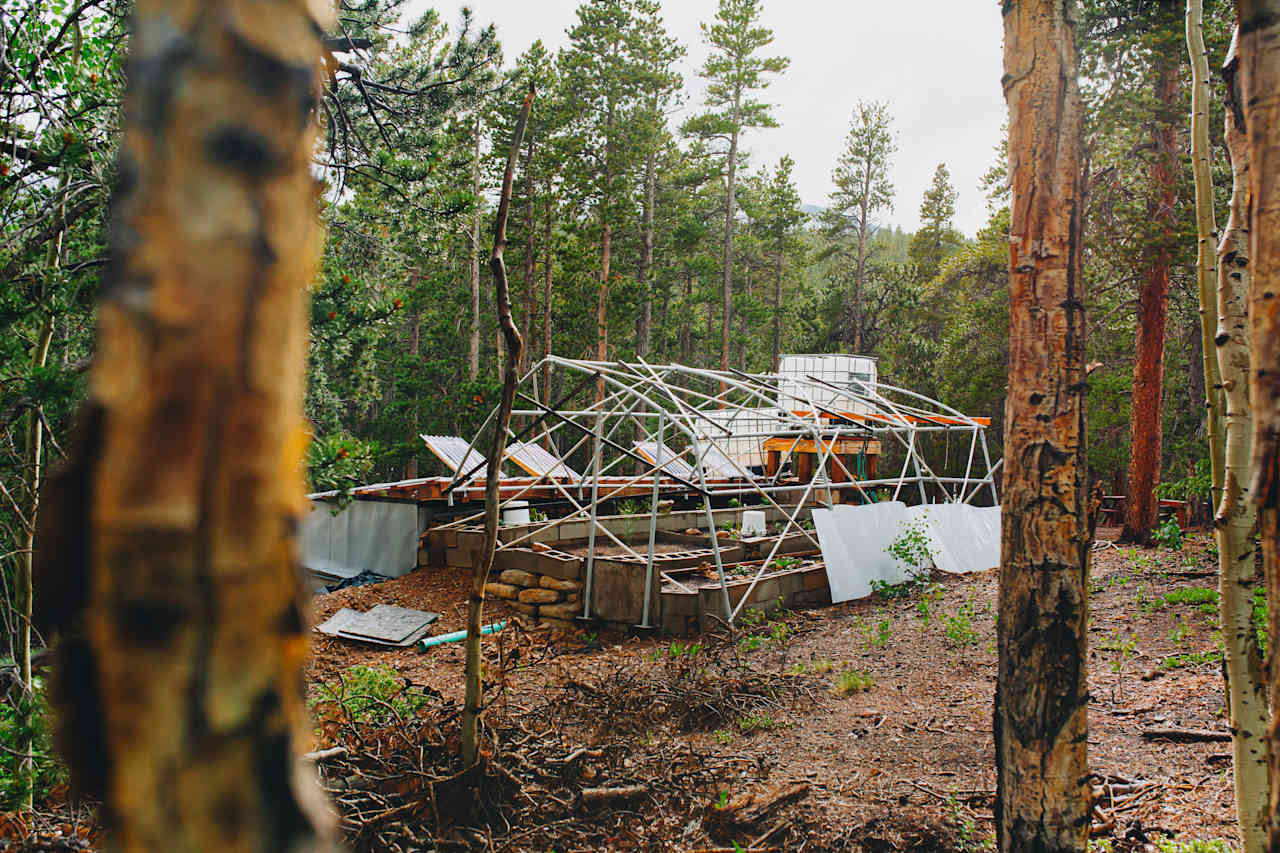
(1042, 800)
(182, 614)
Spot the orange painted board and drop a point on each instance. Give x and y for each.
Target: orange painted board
(944, 420)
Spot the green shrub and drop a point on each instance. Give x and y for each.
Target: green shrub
(1169, 535)
(373, 694)
(49, 769)
(911, 549)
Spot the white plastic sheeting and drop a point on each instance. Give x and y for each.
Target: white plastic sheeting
(855, 541)
(366, 535)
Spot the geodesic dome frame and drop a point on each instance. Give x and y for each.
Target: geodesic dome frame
(646, 417)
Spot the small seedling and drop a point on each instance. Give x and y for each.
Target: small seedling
(756, 722)
(1169, 535)
(959, 627)
(853, 681)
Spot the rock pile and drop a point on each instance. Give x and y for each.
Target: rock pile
(554, 601)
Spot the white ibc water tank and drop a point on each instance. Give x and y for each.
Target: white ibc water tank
(753, 522)
(515, 512)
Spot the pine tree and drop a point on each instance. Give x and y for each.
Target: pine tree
(778, 221)
(657, 54)
(601, 89)
(936, 238)
(733, 71)
(863, 190)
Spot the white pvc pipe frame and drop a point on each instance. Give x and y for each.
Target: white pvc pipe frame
(635, 385)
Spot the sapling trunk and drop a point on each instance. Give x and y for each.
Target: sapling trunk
(514, 347)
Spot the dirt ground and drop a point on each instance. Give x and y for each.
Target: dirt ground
(703, 732)
(911, 755)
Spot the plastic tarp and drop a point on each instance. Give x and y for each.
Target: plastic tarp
(855, 541)
(367, 535)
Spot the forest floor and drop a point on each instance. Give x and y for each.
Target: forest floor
(870, 720)
(863, 726)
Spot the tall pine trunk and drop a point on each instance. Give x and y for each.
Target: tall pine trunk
(686, 319)
(731, 204)
(859, 272)
(1259, 44)
(415, 351)
(777, 313)
(546, 298)
(602, 303)
(1146, 427)
(1042, 796)
(182, 618)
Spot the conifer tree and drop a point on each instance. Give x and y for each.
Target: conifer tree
(734, 71)
(936, 238)
(778, 221)
(863, 191)
(600, 88)
(657, 53)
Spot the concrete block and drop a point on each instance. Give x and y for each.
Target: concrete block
(816, 578)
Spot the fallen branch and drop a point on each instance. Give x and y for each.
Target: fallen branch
(600, 796)
(1187, 735)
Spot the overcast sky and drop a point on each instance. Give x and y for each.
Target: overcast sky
(937, 63)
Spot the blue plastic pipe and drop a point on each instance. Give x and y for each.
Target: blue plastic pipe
(427, 642)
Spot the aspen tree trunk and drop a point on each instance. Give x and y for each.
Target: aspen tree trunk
(473, 363)
(646, 256)
(1042, 798)
(1259, 46)
(182, 617)
(1235, 519)
(24, 579)
(1146, 427)
(502, 298)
